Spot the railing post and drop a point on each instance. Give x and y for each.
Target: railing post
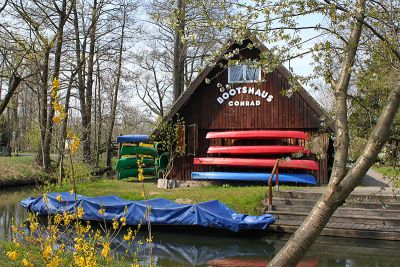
(274, 172)
(277, 178)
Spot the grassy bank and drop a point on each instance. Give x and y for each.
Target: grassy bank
(20, 170)
(23, 170)
(244, 199)
(389, 171)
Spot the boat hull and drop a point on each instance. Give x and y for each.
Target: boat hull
(256, 150)
(138, 150)
(259, 163)
(255, 177)
(126, 163)
(133, 172)
(132, 138)
(263, 134)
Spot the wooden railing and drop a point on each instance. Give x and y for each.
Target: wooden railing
(275, 171)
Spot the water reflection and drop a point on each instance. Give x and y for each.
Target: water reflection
(10, 209)
(200, 248)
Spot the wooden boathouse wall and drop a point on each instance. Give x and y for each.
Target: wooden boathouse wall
(200, 107)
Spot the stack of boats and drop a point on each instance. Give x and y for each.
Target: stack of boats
(258, 156)
(132, 149)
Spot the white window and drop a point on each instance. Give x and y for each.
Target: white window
(243, 73)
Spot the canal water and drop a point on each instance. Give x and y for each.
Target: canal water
(177, 248)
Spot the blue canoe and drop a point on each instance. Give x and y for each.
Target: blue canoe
(133, 138)
(213, 214)
(255, 177)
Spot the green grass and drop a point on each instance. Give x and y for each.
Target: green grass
(23, 170)
(244, 199)
(20, 170)
(389, 171)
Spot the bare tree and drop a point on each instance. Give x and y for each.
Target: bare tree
(152, 81)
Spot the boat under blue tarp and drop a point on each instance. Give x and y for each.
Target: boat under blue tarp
(214, 214)
(133, 138)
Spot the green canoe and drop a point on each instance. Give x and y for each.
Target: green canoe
(125, 173)
(138, 150)
(126, 163)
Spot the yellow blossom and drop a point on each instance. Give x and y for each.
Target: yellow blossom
(115, 224)
(123, 221)
(106, 249)
(69, 134)
(55, 262)
(13, 255)
(79, 260)
(134, 265)
(56, 119)
(102, 211)
(16, 243)
(26, 263)
(59, 198)
(56, 84)
(57, 218)
(67, 218)
(14, 228)
(45, 198)
(80, 212)
(33, 226)
(74, 144)
(88, 227)
(47, 252)
(128, 236)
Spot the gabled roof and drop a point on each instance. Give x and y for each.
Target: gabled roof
(182, 100)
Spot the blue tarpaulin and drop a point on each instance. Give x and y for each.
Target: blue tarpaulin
(212, 214)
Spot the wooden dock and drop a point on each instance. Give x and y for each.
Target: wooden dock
(366, 213)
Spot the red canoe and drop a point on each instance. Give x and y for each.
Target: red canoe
(243, 162)
(264, 134)
(261, 150)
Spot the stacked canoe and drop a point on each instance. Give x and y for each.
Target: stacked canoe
(255, 156)
(132, 149)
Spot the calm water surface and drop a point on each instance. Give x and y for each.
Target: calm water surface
(206, 249)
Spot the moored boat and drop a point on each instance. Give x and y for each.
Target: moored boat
(255, 177)
(257, 134)
(132, 138)
(138, 150)
(256, 150)
(132, 162)
(211, 214)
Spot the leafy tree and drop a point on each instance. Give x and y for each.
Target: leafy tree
(341, 36)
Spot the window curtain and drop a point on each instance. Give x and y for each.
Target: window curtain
(236, 73)
(252, 74)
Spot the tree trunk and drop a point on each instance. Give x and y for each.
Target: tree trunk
(14, 82)
(179, 50)
(341, 184)
(81, 83)
(64, 125)
(99, 120)
(43, 110)
(56, 74)
(115, 96)
(87, 126)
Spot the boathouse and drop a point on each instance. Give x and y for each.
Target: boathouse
(244, 97)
